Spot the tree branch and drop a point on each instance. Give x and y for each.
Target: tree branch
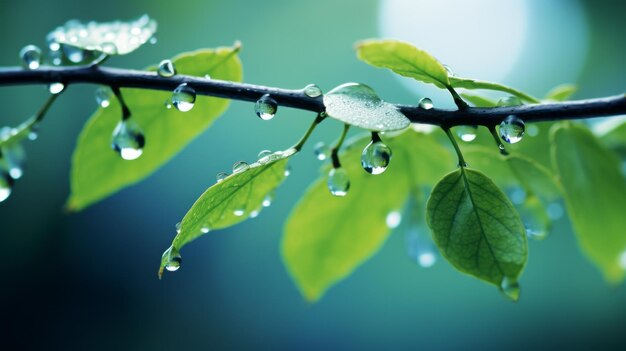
(125, 78)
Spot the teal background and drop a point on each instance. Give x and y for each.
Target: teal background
(88, 280)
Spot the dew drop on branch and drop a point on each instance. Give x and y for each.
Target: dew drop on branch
(56, 88)
(375, 157)
(312, 91)
(128, 140)
(266, 107)
(184, 97)
(512, 129)
(103, 97)
(31, 57)
(466, 133)
(166, 69)
(338, 182)
(425, 103)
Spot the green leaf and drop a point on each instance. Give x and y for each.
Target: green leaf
(478, 101)
(468, 83)
(404, 59)
(112, 38)
(98, 171)
(232, 200)
(358, 105)
(477, 228)
(595, 197)
(561, 92)
(326, 238)
(615, 139)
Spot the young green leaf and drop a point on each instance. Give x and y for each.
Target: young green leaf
(98, 171)
(358, 105)
(233, 199)
(478, 101)
(595, 197)
(477, 228)
(615, 139)
(561, 92)
(404, 59)
(326, 238)
(468, 83)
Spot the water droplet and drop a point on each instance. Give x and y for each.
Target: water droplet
(179, 226)
(73, 53)
(312, 90)
(172, 259)
(512, 129)
(263, 153)
(517, 195)
(108, 48)
(338, 182)
(509, 101)
(419, 245)
(510, 288)
(239, 212)
(33, 134)
(287, 171)
(103, 97)
(555, 211)
(168, 104)
(31, 57)
(56, 88)
(375, 157)
(128, 140)
(425, 103)
(153, 40)
(240, 166)
(266, 107)
(532, 130)
(207, 76)
(205, 230)
(6, 183)
(184, 97)
(254, 214)
(221, 176)
(166, 69)
(321, 150)
(267, 200)
(449, 70)
(466, 133)
(393, 219)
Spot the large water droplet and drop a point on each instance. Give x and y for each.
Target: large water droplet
(166, 69)
(509, 101)
(510, 288)
(321, 151)
(466, 133)
(266, 107)
(184, 97)
(338, 182)
(103, 97)
(221, 176)
(512, 129)
(128, 140)
(312, 90)
(425, 103)
(56, 88)
(375, 157)
(172, 259)
(393, 219)
(6, 184)
(31, 57)
(240, 166)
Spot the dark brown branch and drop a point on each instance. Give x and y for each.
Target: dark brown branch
(607, 106)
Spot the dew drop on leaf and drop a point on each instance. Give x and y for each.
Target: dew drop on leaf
(393, 219)
(512, 129)
(321, 151)
(172, 259)
(239, 212)
(338, 182)
(166, 69)
(510, 288)
(264, 157)
(425, 103)
(184, 97)
(103, 97)
(128, 140)
(466, 133)
(254, 214)
(56, 88)
(266, 107)
(267, 200)
(449, 70)
(509, 101)
(221, 176)
(375, 157)
(205, 230)
(31, 57)
(240, 166)
(178, 227)
(312, 91)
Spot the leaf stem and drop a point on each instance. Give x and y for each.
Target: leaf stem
(458, 101)
(459, 154)
(120, 98)
(467, 83)
(335, 150)
(22, 131)
(496, 138)
(318, 119)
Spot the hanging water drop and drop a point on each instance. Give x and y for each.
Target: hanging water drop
(266, 107)
(128, 140)
(178, 227)
(102, 97)
(254, 214)
(172, 259)
(168, 104)
(166, 69)
(73, 53)
(184, 97)
(6, 183)
(267, 200)
(312, 91)
(55, 55)
(240, 166)
(321, 151)
(338, 182)
(31, 57)
(510, 288)
(204, 230)
(466, 133)
(287, 172)
(376, 156)
(393, 219)
(509, 101)
(512, 129)
(239, 212)
(425, 103)
(221, 176)
(56, 88)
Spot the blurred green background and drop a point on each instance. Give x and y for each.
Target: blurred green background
(88, 280)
